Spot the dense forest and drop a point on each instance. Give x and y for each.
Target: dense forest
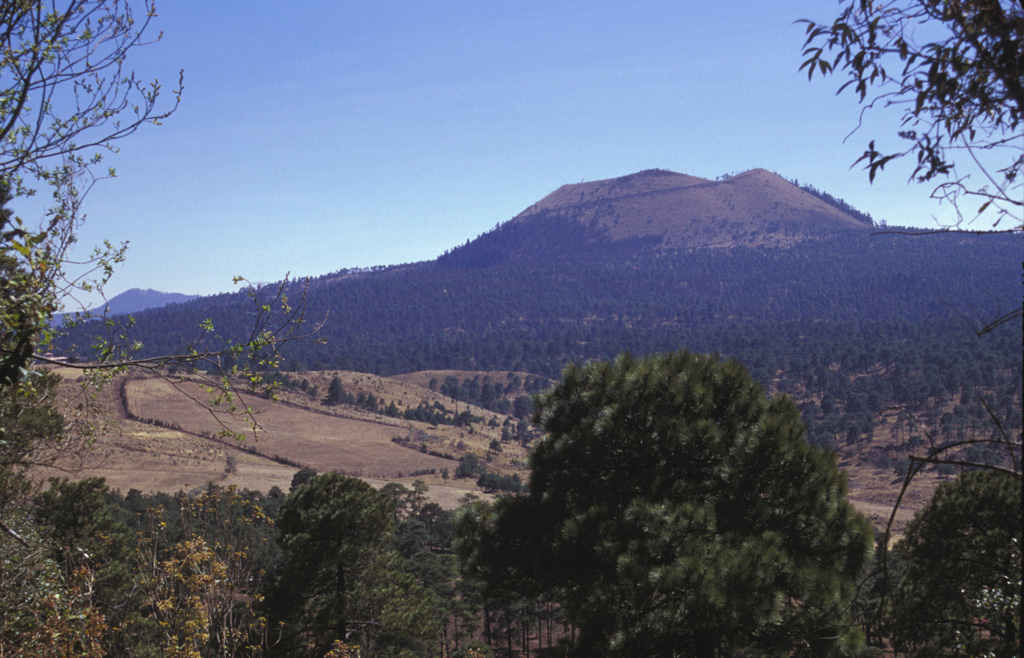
(598, 301)
(335, 568)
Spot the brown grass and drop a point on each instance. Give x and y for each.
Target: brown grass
(178, 446)
(873, 491)
(325, 442)
(154, 459)
(185, 452)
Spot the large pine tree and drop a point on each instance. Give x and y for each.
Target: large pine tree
(675, 510)
(340, 578)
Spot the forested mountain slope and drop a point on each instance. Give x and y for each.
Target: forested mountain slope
(593, 303)
(842, 316)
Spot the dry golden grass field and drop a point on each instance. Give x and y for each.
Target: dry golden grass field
(160, 435)
(178, 447)
(358, 447)
(873, 491)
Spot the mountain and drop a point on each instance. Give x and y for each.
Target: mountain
(136, 299)
(754, 208)
(662, 210)
(639, 263)
(793, 283)
(133, 300)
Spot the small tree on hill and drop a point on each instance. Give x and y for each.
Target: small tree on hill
(335, 393)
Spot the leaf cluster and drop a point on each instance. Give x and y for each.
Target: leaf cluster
(66, 97)
(954, 69)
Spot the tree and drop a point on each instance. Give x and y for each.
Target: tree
(469, 466)
(959, 80)
(201, 588)
(65, 99)
(85, 534)
(301, 477)
(91, 544)
(961, 550)
(955, 68)
(336, 393)
(41, 612)
(674, 510)
(521, 407)
(31, 435)
(339, 579)
(1000, 452)
(44, 610)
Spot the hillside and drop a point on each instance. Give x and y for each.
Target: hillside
(160, 439)
(755, 208)
(661, 212)
(133, 301)
(537, 315)
(136, 299)
(815, 304)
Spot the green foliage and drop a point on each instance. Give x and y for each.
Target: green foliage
(31, 435)
(492, 482)
(202, 586)
(955, 71)
(469, 466)
(493, 395)
(336, 394)
(339, 580)
(87, 535)
(301, 477)
(66, 98)
(44, 609)
(137, 575)
(674, 510)
(962, 551)
(473, 649)
(23, 311)
(84, 533)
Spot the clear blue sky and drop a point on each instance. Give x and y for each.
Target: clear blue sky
(323, 135)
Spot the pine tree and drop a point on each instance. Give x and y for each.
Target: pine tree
(340, 579)
(962, 551)
(675, 510)
(335, 393)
